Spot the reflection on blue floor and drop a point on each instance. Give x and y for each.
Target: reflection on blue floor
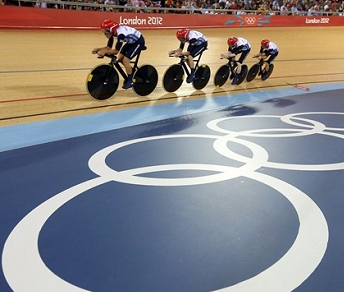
(53, 130)
(223, 198)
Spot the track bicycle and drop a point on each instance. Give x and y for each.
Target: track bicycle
(229, 71)
(259, 69)
(102, 82)
(175, 74)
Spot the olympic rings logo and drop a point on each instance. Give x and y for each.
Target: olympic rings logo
(308, 248)
(250, 20)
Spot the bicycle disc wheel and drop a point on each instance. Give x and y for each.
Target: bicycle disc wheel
(173, 78)
(221, 75)
(102, 82)
(202, 76)
(252, 73)
(233, 65)
(267, 74)
(145, 80)
(242, 74)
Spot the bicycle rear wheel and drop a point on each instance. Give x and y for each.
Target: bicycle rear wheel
(102, 82)
(173, 78)
(267, 74)
(233, 67)
(252, 73)
(221, 75)
(241, 77)
(202, 76)
(145, 80)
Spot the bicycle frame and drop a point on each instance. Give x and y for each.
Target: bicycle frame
(261, 63)
(232, 63)
(183, 60)
(115, 63)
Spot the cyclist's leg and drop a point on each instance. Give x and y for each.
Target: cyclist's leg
(242, 58)
(268, 61)
(194, 53)
(191, 64)
(129, 52)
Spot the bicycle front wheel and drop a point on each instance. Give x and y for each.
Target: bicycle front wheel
(102, 82)
(252, 73)
(221, 75)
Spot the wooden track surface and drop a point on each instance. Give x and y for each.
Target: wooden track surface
(43, 73)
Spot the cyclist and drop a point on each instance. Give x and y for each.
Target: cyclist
(268, 52)
(197, 44)
(134, 43)
(237, 46)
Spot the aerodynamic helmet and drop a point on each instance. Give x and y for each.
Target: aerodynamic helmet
(232, 41)
(265, 43)
(182, 33)
(109, 26)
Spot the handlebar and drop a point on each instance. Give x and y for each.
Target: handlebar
(112, 57)
(232, 59)
(174, 55)
(108, 55)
